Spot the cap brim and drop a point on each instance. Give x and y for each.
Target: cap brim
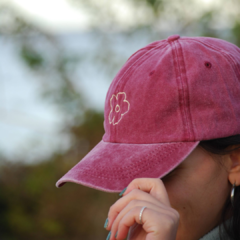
(112, 166)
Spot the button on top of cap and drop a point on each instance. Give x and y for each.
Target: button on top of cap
(173, 37)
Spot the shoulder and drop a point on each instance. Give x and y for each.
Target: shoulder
(216, 232)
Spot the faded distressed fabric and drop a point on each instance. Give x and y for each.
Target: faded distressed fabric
(167, 97)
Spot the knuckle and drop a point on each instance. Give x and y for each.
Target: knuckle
(111, 209)
(134, 210)
(157, 181)
(174, 215)
(133, 203)
(135, 192)
(177, 214)
(114, 206)
(134, 181)
(169, 221)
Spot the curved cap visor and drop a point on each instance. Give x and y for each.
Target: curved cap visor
(112, 166)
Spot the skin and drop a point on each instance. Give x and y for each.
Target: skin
(198, 190)
(185, 205)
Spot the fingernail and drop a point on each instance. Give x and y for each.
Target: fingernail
(106, 223)
(122, 192)
(116, 234)
(109, 235)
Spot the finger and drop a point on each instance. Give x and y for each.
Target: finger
(163, 224)
(121, 203)
(153, 186)
(136, 231)
(128, 221)
(138, 203)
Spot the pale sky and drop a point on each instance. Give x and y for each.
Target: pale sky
(55, 15)
(61, 16)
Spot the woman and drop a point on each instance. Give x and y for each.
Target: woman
(172, 125)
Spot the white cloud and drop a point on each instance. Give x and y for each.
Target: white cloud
(53, 15)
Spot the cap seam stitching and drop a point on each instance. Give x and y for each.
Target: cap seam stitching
(141, 58)
(188, 111)
(181, 91)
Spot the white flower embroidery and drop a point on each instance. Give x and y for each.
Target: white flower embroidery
(119, 106)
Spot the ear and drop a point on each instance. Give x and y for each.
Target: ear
(234, 171)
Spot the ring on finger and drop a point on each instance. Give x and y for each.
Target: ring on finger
(141, 213)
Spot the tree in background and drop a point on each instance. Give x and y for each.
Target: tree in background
(30, 205)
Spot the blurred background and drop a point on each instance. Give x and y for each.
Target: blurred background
(57, 60)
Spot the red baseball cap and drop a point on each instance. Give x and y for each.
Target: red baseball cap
(167, 97)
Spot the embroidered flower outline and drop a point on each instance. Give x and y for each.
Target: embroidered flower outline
(119, 106)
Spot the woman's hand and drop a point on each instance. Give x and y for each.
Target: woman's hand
(159, 219)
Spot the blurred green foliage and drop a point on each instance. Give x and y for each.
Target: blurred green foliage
(31, 207)
(236, 32)
(32, 57)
